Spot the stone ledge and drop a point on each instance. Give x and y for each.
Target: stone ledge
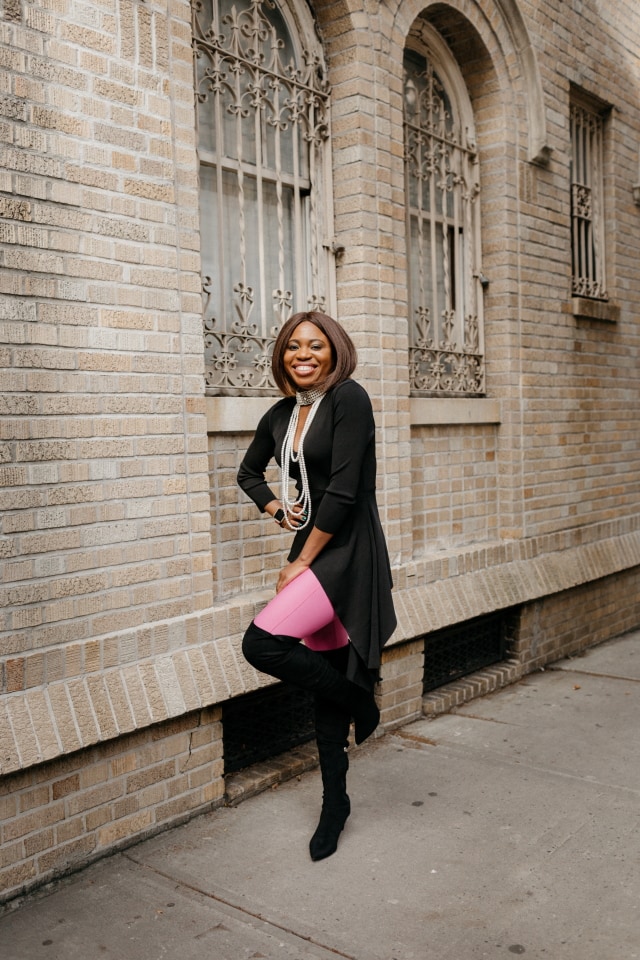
(445, 698)
(241, 414)
(437, 411)
(269, 773)
(428, 607)
(587, 309)
(41, 723)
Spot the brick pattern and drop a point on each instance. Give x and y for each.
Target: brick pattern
(399, 692)
(112, 499)
(564, 624)
(451, 695)
(455, 487)
(550, 629)
(248, 548)
(192, 662)
(58, 816)
(103, 470)
(456, 585)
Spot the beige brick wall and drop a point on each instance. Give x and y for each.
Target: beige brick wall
(60, 815)
(105, 505)
(130, 562)
(566, 623)
(454, 486)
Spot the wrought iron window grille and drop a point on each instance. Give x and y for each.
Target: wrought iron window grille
(263, 124)
(265, 723)
(464, 648)
(445, 294)
(588, 277)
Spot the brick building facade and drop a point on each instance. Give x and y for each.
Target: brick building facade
(471, 163)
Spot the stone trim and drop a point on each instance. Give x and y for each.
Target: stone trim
(468, 688)
(51, 720)
(586, 309)
(447, 410)
(241, 414)
(459, 598)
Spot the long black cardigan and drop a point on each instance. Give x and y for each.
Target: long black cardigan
(353, 568)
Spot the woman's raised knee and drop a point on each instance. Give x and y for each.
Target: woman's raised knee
(265, 650)
(254, 644)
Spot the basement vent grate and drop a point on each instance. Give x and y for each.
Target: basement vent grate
(462, 649)
(261, 724)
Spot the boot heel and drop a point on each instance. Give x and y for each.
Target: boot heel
(324, 842)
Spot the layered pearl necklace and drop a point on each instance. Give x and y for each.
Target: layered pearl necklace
(304, 398)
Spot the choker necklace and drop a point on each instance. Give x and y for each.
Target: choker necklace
(304, 398)
(288, 456)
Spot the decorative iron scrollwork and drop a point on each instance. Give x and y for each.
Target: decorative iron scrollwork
(445, 372)
(445, 356)
(263, 103)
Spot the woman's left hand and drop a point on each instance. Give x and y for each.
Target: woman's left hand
(295, 517)
(289, 573)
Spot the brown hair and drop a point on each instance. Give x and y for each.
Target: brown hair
(345, 358)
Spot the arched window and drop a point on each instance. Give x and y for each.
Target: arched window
(262, 100)
(443, 231)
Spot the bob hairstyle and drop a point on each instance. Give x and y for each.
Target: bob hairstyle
(345, 358)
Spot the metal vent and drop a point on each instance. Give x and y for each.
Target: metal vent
(264, 723)
(466, 647)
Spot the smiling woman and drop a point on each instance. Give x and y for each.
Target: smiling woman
(308, 358)
(332, 614)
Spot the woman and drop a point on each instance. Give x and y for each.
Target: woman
(334, 594)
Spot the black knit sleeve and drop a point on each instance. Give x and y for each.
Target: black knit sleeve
(251, 475)
(353, 436)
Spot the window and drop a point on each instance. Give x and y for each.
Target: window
(262, 130)
(587, 201)
(441, 184)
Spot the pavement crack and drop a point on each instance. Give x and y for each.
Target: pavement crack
(475, 716)
(415, 737)
(240, 909)
(593, 673)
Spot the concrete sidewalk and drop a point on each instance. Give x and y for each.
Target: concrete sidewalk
(507, 828)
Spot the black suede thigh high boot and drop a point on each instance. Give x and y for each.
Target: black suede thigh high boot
(288, 659)
(332, 736)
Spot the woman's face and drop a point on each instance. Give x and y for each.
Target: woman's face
(308, 358)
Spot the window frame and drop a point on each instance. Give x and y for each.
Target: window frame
(589, 193)
(241, 320)
(428, 354)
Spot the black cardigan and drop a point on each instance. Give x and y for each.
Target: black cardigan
(353, 568)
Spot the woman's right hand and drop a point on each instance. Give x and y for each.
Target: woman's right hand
(289, 573)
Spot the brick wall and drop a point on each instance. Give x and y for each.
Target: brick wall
(562, 625)
(454, 485)
(556, 626)
(130, 561)
(60, 816)
(105, 492)
(103, 467)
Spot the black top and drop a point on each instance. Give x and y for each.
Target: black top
(353, 568)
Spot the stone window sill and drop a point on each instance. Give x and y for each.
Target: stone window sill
(434, 411)
(587, 309)
(241, 414)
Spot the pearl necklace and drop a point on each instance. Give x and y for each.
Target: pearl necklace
(304, 398)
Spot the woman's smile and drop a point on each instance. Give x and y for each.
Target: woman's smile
(308, 357)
